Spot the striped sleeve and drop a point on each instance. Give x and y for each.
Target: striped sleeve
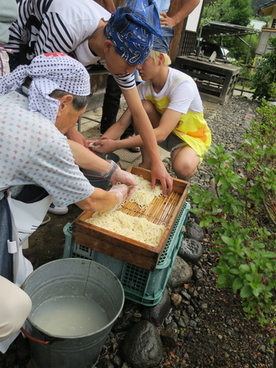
(39, 28)
(16, 28)
(53, 36)
(125, 81)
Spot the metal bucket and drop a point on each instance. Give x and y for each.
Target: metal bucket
(77, 278)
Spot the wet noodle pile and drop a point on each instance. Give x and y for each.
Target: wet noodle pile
(136, 228)
(144, 195)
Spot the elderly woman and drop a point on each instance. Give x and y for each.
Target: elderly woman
(38, 166)
(91, 34)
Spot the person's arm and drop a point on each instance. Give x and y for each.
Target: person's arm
(74, 135)
(17, 27)
(53, 167)
(88, 160)
(186, 9)
(101, 200)
(109, 5)
(108, 141)
(168, 122)
(180, 100)
(144, 128)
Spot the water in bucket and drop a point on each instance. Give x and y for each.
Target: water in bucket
(69, 316)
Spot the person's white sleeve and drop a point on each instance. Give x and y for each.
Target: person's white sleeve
(15, 307)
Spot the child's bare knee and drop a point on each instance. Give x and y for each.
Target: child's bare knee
(185, 171)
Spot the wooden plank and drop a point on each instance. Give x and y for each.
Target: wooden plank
(202, 87)
(206, 77)
(125, 251)
(216, 67)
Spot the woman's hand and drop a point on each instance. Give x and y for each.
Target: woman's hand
(122, 193)
(102, 145)
(121, 176)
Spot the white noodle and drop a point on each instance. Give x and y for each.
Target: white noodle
(144, 195)
(135, 228)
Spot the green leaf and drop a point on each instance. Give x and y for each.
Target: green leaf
(227, 240)
(234, 271)
(237, 284)
(223, 281)
(246, 291)
(244, 268)
(212, 161)
(270, 266)
(256, 291)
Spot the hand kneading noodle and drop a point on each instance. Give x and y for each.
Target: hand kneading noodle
(144, 195)
(136, 228)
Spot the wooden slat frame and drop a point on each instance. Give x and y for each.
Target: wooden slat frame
(163, 210)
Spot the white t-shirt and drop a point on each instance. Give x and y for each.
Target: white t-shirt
(179, 93)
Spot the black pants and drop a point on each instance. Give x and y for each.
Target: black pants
(111, 106)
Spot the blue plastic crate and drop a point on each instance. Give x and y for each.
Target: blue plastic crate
(140, 285)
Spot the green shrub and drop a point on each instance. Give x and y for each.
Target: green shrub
(264, 77)
(247, 261)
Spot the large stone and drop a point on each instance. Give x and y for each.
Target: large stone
(169, 338)
(190, 250)
(181, 273)
(142, 346)
(194, 231)
(159, 312)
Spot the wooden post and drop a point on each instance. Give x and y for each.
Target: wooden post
(178, 30)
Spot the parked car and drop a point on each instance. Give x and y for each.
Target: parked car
(207, 48)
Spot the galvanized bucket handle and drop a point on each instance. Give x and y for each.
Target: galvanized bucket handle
(47, 342)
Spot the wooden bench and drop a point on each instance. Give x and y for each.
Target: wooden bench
(215, 80)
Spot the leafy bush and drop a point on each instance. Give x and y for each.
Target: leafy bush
(239, 47)
(238, 11)
(264, 77)
(246, 243)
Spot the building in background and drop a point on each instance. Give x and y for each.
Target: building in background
(268, 9)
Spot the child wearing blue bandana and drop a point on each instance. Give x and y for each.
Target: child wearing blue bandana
(173, 104)
(89, 33)
(113, 93)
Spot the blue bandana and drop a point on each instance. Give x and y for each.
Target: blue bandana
(131, 30)
(162, 43)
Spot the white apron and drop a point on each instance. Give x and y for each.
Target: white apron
(26, 217)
